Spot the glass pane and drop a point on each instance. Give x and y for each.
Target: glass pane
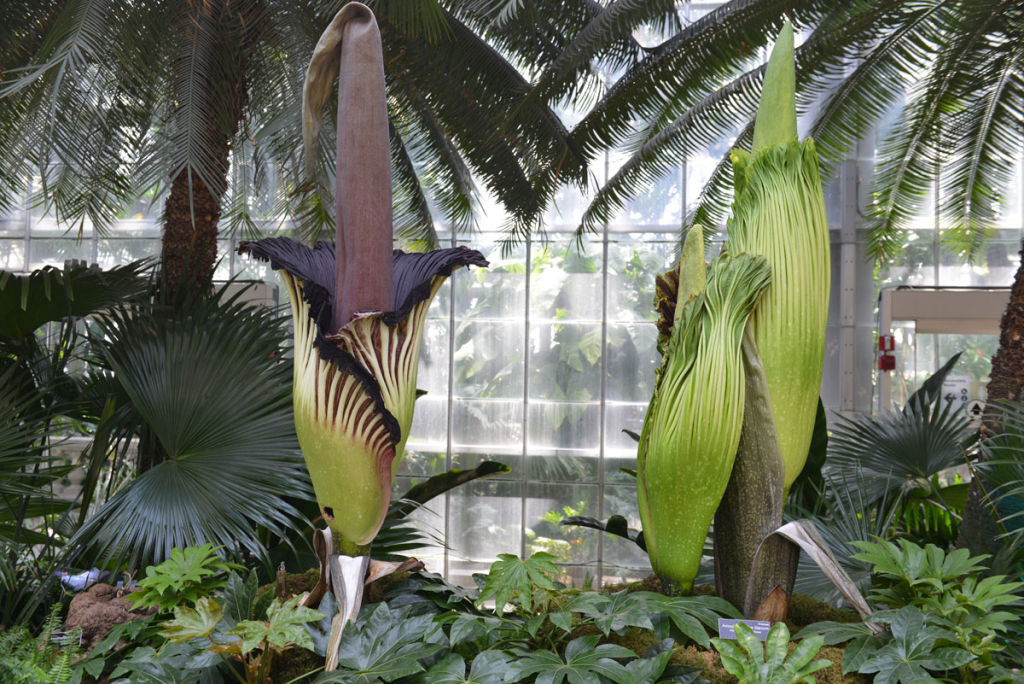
(488, 427)
(565, 281)
(432, 375)
(429, 521)
(497, 292)
(12, 224)
(620, 448)
(429, 430)
(564, 442)
(485, 520)
(994, 267)
(632, 359)
(565, 361)
(546, 505)
(115, 251)
(916, 266)
(633, 264)
(12, 255)
(619, 552)
(54, 252)
(489, 359)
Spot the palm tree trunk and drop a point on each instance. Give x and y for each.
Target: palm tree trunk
(190, 232)
(192, 210)
(1006, 381)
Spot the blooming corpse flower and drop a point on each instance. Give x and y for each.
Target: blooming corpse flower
(358, 306)
(355, 384)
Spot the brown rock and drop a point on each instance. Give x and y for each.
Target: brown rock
(98, 610)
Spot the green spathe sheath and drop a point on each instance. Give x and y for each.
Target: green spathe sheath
(692, 427)
(779, 213)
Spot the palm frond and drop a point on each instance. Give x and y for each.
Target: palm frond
(566, 74)
(421, 18)
(1003, 470)
(901, 449)
(848, 514)
(203, 93)
(712, 204)
(985, 138)
(413, 222)
(911, 156)
(211, 387)
(444, 171)
(467, 85)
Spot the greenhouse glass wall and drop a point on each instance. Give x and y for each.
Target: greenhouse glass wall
(544, 360)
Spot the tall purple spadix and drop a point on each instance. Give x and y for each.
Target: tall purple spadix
(363, 240)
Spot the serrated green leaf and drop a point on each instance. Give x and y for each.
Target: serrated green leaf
(192, 623)
(524, 578)
(282, 628)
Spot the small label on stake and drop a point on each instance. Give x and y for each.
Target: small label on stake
(727, 628)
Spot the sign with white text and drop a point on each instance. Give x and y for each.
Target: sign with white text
(727, 628)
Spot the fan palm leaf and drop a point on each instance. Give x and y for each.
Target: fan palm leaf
(213, 389)
(905, 448)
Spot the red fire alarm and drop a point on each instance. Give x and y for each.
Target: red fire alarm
(886, 343)
(886, 362)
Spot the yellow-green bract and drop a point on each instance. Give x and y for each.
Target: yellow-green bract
(779, 213)
(693, 423)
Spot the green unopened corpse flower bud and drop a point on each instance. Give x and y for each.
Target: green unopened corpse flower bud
(693, 423)
(779, 213)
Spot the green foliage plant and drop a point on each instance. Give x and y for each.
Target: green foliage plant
(942, 615)
(753, 663)
(533, 611)
(237, 629)
(949, 589)
(917, 650)
(256, 643)
(690, 428)
(188, 575)
(25, 659)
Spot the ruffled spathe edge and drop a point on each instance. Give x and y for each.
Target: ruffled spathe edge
(414, 283)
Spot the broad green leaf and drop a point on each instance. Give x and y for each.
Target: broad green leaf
(386, 645)
(584, 663)
(561, 620)
(488, 668)
(511, 575)
(859, 651)
(648, 670)
(240, 595)
(835, 632)
(192, 623)
(618, 611)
